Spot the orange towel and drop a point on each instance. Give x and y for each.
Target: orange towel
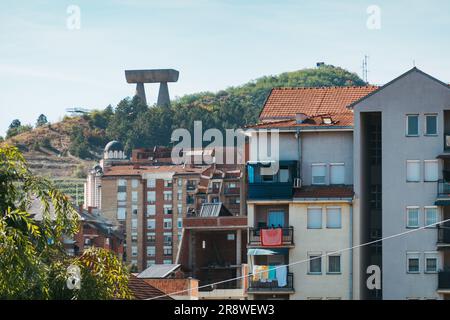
(272, 237)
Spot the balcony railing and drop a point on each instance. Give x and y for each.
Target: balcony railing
(272, 286)
(444, 234)
(444, 280)
(233, 284)
(443, 189)
(255, 236)
(274, 190)
(229, 191)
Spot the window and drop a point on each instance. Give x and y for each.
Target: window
(431, 124)
(134, 209)
(337, 173)
(121, 183)
(167, 251)
(168, 183)
(151, 224)
(314, 218)
(180, 195)
(180, 182)
(134, 237)
(121, 213)
(412, 170)
(167, 261)
(151, 183)
(284, 174)
(412, 125)
(151, 210)
(180, 223)
(134, 251)
(431, 172)
(167, 209)
(134, 196)
(151, 237)
(151, 251)
(334, 264)
(315, 263)
(334, 218)
(134, 223)
(431, 216)
(318, 173)
(267, 178)
(167, 223)
(150, 263)
(412, 217)
(168, 195)
(167, 238)
(121, 196)
(180, 209)
(151, 196)
(413, 262)
(134, 183)
(431, 262)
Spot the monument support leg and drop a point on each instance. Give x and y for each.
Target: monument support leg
(140, 92)
(163, 95)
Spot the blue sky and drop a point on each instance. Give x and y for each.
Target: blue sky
(46, 68)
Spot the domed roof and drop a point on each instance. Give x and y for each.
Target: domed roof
(113, 146)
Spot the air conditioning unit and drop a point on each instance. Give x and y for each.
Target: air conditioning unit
(297, 183)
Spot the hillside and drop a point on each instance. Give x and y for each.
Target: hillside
(67, 148)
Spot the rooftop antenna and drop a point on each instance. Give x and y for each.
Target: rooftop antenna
(365, 69)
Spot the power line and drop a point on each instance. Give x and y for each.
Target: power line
(306, 260)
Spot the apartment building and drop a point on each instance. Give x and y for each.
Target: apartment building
(302, 211)
(401, 152)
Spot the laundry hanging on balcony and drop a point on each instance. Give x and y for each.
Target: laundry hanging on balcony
(281, 274)
(272, 237)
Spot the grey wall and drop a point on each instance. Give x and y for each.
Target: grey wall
(413, 93)
(327, 147)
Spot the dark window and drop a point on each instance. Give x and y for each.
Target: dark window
(431, 124)
(413, 125)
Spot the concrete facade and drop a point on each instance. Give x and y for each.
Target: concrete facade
(412, 93)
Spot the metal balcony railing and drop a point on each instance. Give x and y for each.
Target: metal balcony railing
(254, 235)
(272, 286)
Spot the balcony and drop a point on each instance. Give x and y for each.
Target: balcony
(443, 191)
(444, 280)
(254, 237)
(279, 185)
(232, 191)
(272, 286)
(443, 235)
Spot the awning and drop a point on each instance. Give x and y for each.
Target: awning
(266, 252)
(442, 202)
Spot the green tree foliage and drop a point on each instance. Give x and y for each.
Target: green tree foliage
(79, 146)
(33, 262)
(16, 128)
(41, 121)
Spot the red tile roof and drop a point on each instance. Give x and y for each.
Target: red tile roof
(324, 192)
(286, 103)
(141, 290)
(133, 170)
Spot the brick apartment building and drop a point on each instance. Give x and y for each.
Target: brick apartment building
(149, 197)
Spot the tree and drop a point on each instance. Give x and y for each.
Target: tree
(33, 262)
(41, 121)
(15, 124)
(79, 146)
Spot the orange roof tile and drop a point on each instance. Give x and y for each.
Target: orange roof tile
(324, 192)
(285, 103)
(132, 170)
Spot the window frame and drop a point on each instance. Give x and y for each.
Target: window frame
(337, 164)
(436, 116)
(310, 258)
(321, 218)
(324, 165)
(425, 213)
(428, 256)
(410, 256)
(328, 264)
(408, 208)
(420, 173)
(407, 124)
(425, 170)
(340, 217)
